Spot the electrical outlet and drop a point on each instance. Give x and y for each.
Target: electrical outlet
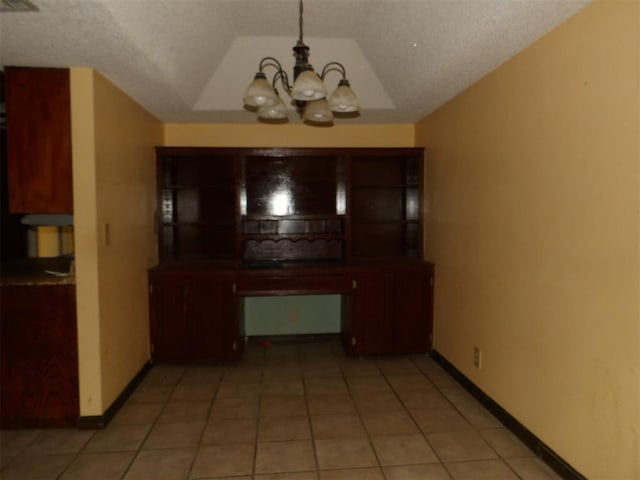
(294, 316)
(477, 357)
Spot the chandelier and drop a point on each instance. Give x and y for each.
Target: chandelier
(307, 91)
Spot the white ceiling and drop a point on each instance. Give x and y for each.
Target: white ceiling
(191, 60)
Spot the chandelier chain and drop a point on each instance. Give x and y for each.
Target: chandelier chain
(300, 21)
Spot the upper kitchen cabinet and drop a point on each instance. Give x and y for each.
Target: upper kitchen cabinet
(39, 140)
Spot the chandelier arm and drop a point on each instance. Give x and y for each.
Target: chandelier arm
(284, 80)
(335, 67)
(270, 62)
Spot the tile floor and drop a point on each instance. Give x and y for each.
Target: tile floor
(289, 411)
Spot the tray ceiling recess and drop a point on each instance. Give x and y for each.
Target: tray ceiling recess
(17, 6)
(191, 60)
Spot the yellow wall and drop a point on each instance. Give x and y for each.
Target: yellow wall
(85, 239)
(114, 184)
(534, 227)
(262, 135)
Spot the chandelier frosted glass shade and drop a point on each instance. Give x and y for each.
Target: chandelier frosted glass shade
(317, 111)
(259, 93)
(343, 100)
(277, 111)
(308, 87)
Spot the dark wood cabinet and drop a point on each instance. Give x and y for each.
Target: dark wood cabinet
(236, 222)
(194, 318)
(385, 194)
(391, 310)
(38, 104)
(259, 205)
(197, 206)
(39, 356)
(371, 321)
(413, 309)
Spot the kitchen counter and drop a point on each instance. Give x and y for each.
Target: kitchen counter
(33, 271)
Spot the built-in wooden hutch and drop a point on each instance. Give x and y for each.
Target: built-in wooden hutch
(236, 222)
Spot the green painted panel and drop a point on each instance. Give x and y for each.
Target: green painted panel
(292, 315)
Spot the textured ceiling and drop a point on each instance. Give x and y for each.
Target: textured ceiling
(191, 60)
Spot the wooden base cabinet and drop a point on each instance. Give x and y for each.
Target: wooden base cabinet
(194, 318)
(413, 310)
(39, 350)
(391, 312)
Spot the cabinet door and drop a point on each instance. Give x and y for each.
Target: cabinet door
(212, 326)
(413, 323)
(39, 140)
(194, 320)
(39, 356)
(168, 321)
(371, 321)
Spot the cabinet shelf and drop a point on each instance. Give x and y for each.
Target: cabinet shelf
(384, 222)
(292, 217)
(383, 186)
(301, 204)
(219, 186)
(199, 224)
(293, 238)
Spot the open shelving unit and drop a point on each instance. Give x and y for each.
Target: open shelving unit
(286, 205)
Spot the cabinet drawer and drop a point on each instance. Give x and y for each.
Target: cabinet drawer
(264, 285)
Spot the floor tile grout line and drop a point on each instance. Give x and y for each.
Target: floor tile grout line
(313, 440)
(206, 422)
(440, 460)
(153, 424)
(359, 412)
(75, 456)
(256, 436)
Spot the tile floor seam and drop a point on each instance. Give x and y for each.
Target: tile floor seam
(155, 422)
(310, 423)
(424, 434)
(359, 412)
(76, 455)
(206, 422)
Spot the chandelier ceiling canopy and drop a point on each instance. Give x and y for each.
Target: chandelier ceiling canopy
(307, 91)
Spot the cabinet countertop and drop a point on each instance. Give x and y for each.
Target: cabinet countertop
(32, 271)
(266, 268)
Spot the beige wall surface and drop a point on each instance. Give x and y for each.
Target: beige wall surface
(85, 240)
(533, 225)
(117, 180)
(261, 135)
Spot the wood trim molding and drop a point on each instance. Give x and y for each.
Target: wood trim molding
(546, 454)
(95, 422)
